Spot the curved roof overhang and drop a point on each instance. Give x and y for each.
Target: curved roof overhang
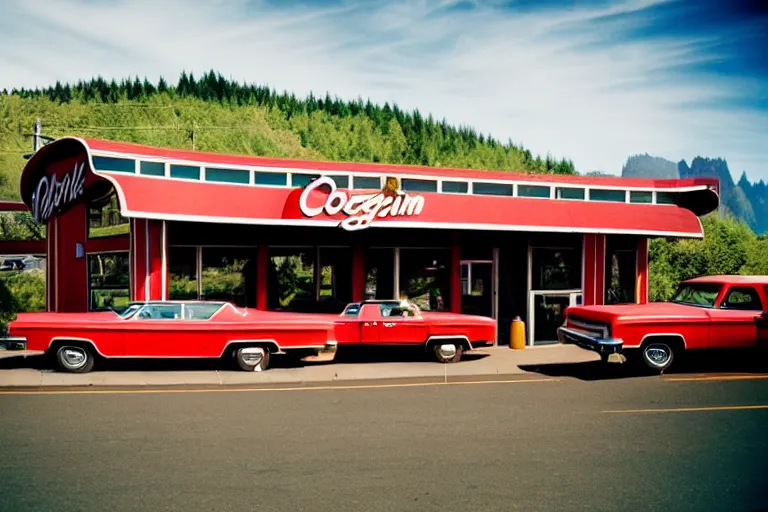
(155, 197)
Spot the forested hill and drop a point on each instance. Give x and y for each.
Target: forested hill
(216, 114)
(745, 200)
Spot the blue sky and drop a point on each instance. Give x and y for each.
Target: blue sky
(594, 81)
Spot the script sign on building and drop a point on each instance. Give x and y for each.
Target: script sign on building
(52, 196)
(361, 209)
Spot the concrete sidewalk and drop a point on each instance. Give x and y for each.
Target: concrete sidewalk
(487, 362)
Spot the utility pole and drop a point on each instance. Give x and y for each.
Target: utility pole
(36, 132)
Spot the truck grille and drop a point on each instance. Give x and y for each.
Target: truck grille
(596, 329)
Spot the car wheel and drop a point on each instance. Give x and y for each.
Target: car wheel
(74, 359)
(658, 355)
(252, 359)
(448, 352)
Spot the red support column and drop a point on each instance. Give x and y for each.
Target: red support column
(149, 261)
(641, 290)
(455, 278)
(262, 276)
(68, 270)
(593, 270)
(358, 273)
(50, 265)
(600, 269)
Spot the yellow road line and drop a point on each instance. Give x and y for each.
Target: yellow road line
(241, 390)
(713, 378)
(691, 409)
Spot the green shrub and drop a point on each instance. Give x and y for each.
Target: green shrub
(20, 292)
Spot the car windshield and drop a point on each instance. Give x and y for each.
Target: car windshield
(352, 310)
(697, 294)
(129, 311)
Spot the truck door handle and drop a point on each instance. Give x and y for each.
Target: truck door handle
(387, 324)
(370, 324)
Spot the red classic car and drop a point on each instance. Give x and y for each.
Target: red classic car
(706, 312)
(445, 335)
(172, 329)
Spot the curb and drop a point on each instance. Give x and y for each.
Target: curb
(382, 383)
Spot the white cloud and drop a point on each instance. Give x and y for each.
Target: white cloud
(544, 79)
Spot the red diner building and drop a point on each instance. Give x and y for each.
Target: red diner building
(130, 222)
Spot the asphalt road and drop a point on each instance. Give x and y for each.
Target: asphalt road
(535, 444)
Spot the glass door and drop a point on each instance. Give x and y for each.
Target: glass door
(546, 312)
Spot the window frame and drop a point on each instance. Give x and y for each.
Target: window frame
(737, 288)
(90, 288)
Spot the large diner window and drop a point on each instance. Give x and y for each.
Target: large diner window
(291, 283)
(229, 274)
(335, 278)
(182, 270)
(104, 218)
(379, 273)
(108, 281)
(555, 268)
(620, 269)
(425, 278)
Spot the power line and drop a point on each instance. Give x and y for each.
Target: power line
(196, 127)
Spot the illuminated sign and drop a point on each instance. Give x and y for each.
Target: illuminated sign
(360, 209)
(52, 196)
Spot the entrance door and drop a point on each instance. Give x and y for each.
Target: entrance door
(546, 312)
(477, 288)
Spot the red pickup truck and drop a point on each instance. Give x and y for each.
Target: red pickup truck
(706, 312)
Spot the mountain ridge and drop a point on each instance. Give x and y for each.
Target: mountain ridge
(744, 200)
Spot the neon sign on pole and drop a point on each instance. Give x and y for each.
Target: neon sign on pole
(51, 196)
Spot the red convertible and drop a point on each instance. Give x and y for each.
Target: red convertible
(172, 329)
(705, 313)
(387, 322)
(200, 329)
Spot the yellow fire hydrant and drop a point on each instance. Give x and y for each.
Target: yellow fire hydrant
(517, 334)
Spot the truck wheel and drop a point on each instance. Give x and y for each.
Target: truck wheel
(252, 359)
(74, 359)
(658, 355)
(448, 352)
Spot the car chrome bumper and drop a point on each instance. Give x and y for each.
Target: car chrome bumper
(330, 347)
(600, 345)
(13, 343)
